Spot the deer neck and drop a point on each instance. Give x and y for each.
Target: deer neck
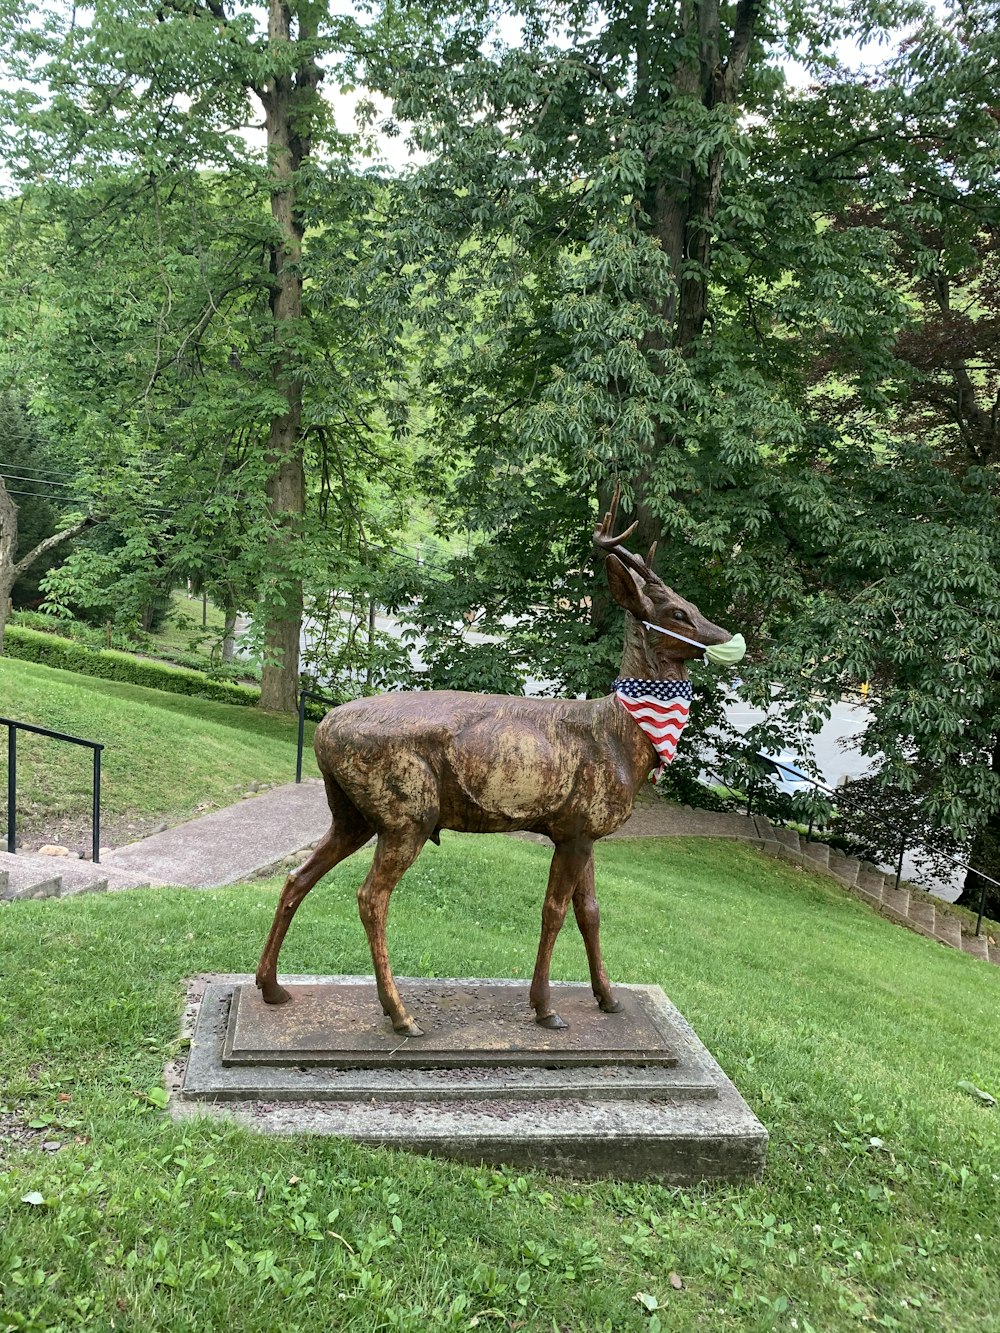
(637, 663)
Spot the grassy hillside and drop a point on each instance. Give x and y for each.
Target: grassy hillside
(847, 1035)
(165, 754)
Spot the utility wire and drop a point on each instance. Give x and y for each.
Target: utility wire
(35, 481)
(50, 471)
(32, 475)
(44, 495)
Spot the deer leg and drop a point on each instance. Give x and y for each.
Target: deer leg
(588, 918)
(344, 838)
(568, 862)
(395, 853)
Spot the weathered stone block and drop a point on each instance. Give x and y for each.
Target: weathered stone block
(922, 912)
(817, 853)
(896, 903)
(976, 947)
(846, 870)
(948, 928)
(788, 837)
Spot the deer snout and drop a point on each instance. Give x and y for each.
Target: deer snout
(710, 634)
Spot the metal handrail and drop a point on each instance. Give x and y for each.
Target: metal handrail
(776, 763)
(303, 696)
(12, 729)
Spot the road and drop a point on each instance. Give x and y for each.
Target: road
(837, 760)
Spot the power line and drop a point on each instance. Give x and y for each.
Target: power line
(52, 472)
(43, 495)
(39, 481)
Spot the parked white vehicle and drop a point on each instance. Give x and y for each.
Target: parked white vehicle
(785, 772)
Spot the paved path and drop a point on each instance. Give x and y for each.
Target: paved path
(230, 844)
(259, 831)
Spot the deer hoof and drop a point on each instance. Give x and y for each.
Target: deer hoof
(272, 993)
(407, 1028)
(551, 1021)
(609, 1006)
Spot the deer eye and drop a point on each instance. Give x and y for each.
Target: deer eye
(679, 615)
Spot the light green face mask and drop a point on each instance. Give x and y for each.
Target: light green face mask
(729, 653)
(722, 654)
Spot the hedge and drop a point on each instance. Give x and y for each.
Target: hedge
(51, 650)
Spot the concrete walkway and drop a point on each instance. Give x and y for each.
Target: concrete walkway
(261, 831)
(237, 842)
(230, 844)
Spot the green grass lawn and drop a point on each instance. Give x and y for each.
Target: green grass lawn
(165, 755)
(848, 1036)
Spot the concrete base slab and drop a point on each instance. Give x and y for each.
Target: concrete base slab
(674, 1124)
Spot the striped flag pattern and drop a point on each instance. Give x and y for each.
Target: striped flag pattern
(659, 707)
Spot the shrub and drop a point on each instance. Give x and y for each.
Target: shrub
(50, 650)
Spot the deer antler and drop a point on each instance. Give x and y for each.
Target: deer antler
(605, 541)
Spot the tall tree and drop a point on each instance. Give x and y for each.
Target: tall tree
(900, 553)
(132, 134)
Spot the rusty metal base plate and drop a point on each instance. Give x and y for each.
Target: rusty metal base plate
(467, 1025)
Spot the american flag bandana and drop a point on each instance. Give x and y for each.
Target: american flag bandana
(660, 708)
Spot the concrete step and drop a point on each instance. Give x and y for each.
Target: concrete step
(845, 868)
(816, 854)
(26, 879)
(995, 954)
(788, 837)
(922, 913)
(896, 903)
(869, 887)
(34, 876)
(976, 947)
(948, 929)
(781, 852)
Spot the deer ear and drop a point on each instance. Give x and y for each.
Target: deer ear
(626, 589)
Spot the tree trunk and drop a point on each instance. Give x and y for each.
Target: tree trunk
(11, 569)
(681, 208)
(288, 112)
(6, 587)
(985, 856)
(229, 635)
(8, 551)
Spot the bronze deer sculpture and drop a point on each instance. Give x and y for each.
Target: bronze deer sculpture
(405, 766)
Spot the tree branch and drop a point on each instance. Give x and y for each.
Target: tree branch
(55, 540)
(739, 49)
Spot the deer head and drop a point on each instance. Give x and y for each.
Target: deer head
(649, 653)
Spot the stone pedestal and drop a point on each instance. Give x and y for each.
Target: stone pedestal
(633, 1095)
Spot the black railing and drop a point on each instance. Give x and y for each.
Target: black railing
(760, 759)
(320, 699)
(962, 865)
(12, 729)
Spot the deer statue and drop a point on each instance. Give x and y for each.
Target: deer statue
(405, 766)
